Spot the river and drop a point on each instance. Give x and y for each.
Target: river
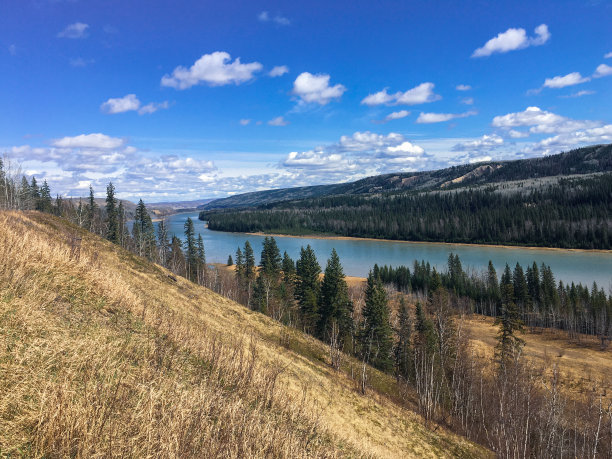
(359, 256)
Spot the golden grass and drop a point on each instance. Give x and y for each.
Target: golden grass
(109, 356)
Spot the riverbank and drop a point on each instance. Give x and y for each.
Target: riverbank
(463, 244)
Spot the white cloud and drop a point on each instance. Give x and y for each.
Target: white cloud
(214, 69)
(570, 79)
(420, 94)
(467, 101)
(428, 118)
(578, 94)
(396, 116)
(463, 87)
(404, 149)
(76, 30)
(121, 104)
(278, 121)
(89, 141)
(486, 142)
(602, 71)
(279, 70)
(540, 121)
(513, 39)
(568, 140)
(311, 88)
(152, 107)
(608, 55)
(244, 121)
(517, 134)
(279, 19)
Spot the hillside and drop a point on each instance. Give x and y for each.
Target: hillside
(588, 160)
(103, 353)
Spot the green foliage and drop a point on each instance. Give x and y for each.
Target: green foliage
(308, 287)
(376, 334)
(112, 218)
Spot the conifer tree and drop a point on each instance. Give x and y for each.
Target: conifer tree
(239, 264)
(44, 200)
(376, 334)
(248, 273)
(230, 262)
(176, 261)
(509, 321)
(269, 274)
(403, 349)
(308, 288)
(191, 250)
(92, 211)
(334, 304)
(144, 232)
(201, 260)
(112, 220)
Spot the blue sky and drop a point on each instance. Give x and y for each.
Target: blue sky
(198, 99)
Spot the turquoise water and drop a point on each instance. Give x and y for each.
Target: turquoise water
(358, 256)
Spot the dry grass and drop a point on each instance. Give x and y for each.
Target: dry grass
(109, 356)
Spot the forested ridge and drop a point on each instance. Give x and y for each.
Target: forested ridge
(581, 161)
(569, 213)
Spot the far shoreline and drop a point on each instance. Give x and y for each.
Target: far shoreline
(464, 244)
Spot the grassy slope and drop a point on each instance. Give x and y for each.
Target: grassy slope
(109, 355)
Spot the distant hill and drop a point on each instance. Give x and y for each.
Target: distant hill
(588, 160)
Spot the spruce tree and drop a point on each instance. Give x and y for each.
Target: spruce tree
(509, 321)
(201, 259)
(376, 334)
(403, 349)
(334, 304)
(176, 261)
(308, 288)
(191, 250)
(92, 211)
(112, 220)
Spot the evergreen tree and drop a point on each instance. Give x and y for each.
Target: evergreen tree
(270, 273)
(239, 264)
(249, 262)
(230, 262)
(112, 220)
(403, 349)
(91, 211)
(44, 199)
(124, 235)
(201, 259)
(144, 232)
(519, 286)
(334, 303)
(508, 343)
(308, 288)
(191, 251)
(376, 334)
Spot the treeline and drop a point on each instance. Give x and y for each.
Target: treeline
(508, 404)
(572, 213)
(541, 302)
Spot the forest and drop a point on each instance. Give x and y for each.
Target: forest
(405, 322)
(571, 213)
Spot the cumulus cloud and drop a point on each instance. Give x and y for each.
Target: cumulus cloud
(393, 116)
(97, 140)
(359, 155)
(278, 121)
(486, 142)
(608, 55)
(279, 19)
(568, 140)
(309, 88)
(467, 101)
(517, 134)
(602, 71)
(121, 104)
(541, 121)
(513, 39)
(152, 107)
(216, 69)
(463, 87)
(428, 118)
(131, 103)
(421, 94)
(279, 70)
(244, 121)
(570, 79)
(76, 30)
